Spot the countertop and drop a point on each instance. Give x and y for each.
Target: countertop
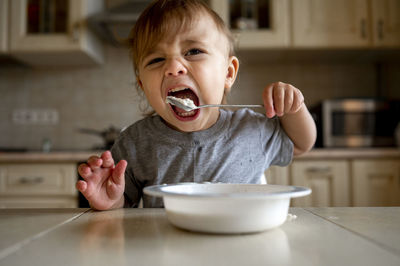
(81, 156)
(318, 236)
(39, 157)
(351, 153)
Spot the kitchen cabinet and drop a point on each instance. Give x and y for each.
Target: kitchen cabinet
(343, 177)
(54, 33)
(277, 175)
(328, 179)
(338, 177)
(376, 182)
(330, 23)
(345, 23)
(40, 185)
(3, 26)
(386, 22)
(256, 24)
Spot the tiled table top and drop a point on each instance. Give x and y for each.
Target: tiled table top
(318, 236)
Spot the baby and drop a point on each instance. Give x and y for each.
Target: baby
(182, 48)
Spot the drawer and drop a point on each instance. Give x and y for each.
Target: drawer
(329, 181)
(38, 202)
(38, 179)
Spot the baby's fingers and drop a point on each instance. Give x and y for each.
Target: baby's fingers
(108, 161)
(268, 101)
(279, 98)
(289, 100)
(81, 186)
(84, 170)
(298, 100)
(85, 189)
(94, 162)
(116, 183)
(118, 174)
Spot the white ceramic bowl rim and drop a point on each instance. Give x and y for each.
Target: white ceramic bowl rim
(224, 190)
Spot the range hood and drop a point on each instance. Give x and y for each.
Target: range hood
(114, 24)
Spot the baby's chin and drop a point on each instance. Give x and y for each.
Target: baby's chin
(207, 119)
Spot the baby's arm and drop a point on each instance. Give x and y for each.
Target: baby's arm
(287, 102)
(104, 183)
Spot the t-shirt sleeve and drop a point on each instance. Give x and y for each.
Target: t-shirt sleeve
(277, 146)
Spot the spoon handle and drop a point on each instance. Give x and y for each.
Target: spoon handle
(231, 105)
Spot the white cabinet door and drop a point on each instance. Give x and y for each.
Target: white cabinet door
(38, 185)
(386, 22)
(275, 34)
(329, 181)
(38, 179)
(376, 182)
(42, 45)
(330, 23)
(277, 175)
(3, 26)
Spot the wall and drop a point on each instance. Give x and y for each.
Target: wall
(95, 97)
(101, 96)
(316, 81)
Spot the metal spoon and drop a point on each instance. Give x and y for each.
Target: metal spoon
(187, 106)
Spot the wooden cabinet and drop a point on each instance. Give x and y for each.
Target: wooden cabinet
(330, 23)
(54, 34)
(277, 175)
(38, 185)
(3, 26)
(385, 22)
(376, 182)
(345, 23)
(256, 24)
(328, 179)
(312, 23)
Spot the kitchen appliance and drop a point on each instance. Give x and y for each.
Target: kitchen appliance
(114, 24)
(109, 135)
(353, 122)
(226, 208)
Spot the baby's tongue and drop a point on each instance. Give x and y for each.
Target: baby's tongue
(185, 94)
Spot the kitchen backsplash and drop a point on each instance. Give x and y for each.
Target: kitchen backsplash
(101, 96)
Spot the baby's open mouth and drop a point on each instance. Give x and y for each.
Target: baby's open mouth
(184, 93)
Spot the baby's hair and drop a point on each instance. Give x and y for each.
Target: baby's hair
(164, 17)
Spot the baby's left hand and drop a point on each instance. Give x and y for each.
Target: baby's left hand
(281, 98)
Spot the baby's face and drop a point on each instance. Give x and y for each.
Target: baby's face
(193, 64)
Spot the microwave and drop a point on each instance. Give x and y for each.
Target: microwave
(357, 122)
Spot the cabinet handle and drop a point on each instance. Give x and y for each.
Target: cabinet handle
(380, 29)
(318, 170)
(31, 180)
(75, 32)
(363, 28)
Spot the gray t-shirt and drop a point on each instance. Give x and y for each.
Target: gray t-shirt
(238, 148)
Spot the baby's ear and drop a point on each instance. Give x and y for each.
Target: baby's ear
(233, 68)
(139, 83)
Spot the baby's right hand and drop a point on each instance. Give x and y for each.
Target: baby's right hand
(103, 185)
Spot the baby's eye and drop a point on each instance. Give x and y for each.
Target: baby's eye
(155, 60)
(194, 52)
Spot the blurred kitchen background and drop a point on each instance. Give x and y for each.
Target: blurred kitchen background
(67, 84)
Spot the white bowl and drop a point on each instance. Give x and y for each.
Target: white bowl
(226, 208)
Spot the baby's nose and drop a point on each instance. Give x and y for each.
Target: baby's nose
(175, 68)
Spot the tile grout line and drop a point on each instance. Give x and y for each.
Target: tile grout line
(14, 248)
(381, 245)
